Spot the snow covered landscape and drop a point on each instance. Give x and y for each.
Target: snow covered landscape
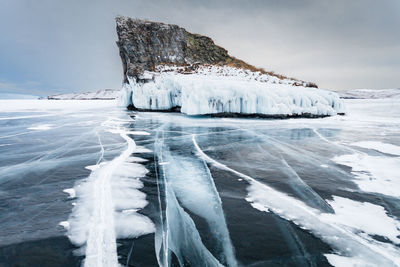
(274, 153)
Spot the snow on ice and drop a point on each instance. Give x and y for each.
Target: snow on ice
(377, 174)
(107, 204)
(332, 228)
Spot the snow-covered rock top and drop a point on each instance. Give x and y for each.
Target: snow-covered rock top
(370, 93)
(143, 45)
(233, 73)
(106, 94)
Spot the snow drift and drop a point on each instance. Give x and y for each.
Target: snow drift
(106, 94)
(370, 93)
(227, 90)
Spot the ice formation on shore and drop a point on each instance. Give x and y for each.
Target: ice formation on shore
(216, 90)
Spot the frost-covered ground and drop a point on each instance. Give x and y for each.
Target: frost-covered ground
(84, 181)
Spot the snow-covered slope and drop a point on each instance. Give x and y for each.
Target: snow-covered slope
(223, 89)
(370, 93)
(106, 94)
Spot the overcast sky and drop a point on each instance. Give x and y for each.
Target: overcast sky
(51, 46)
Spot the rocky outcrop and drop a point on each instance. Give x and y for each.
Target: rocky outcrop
(144, 45)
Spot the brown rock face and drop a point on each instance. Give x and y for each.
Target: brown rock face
(145, 44)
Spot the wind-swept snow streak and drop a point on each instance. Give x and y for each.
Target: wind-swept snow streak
(345, 242)
(106, 208)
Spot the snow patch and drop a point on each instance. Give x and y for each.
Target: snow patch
(140, 149)
(136, 159)
(130, 132)
(363, 216)
(379, 146)
(64, 224)
(377, 174)
(342, 261)
(94, 167)
(41, 127)
(138, 133)
(70, 192)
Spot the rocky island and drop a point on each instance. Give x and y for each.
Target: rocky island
(167, 68)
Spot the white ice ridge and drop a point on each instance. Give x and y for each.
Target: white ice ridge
(100, 215)
(228, 90)
(350, 246)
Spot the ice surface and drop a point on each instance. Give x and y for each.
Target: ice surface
(347, 243)
(213, 92)
(291, 175)
(189, 185)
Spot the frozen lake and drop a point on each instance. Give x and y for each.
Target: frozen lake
(84, 182)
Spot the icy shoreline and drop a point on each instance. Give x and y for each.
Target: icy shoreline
(227, 92)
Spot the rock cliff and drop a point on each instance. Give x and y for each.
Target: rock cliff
(144, 45)
(167, 68)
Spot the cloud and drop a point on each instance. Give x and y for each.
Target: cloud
(70, 45)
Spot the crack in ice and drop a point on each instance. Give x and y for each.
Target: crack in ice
(345, 242)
